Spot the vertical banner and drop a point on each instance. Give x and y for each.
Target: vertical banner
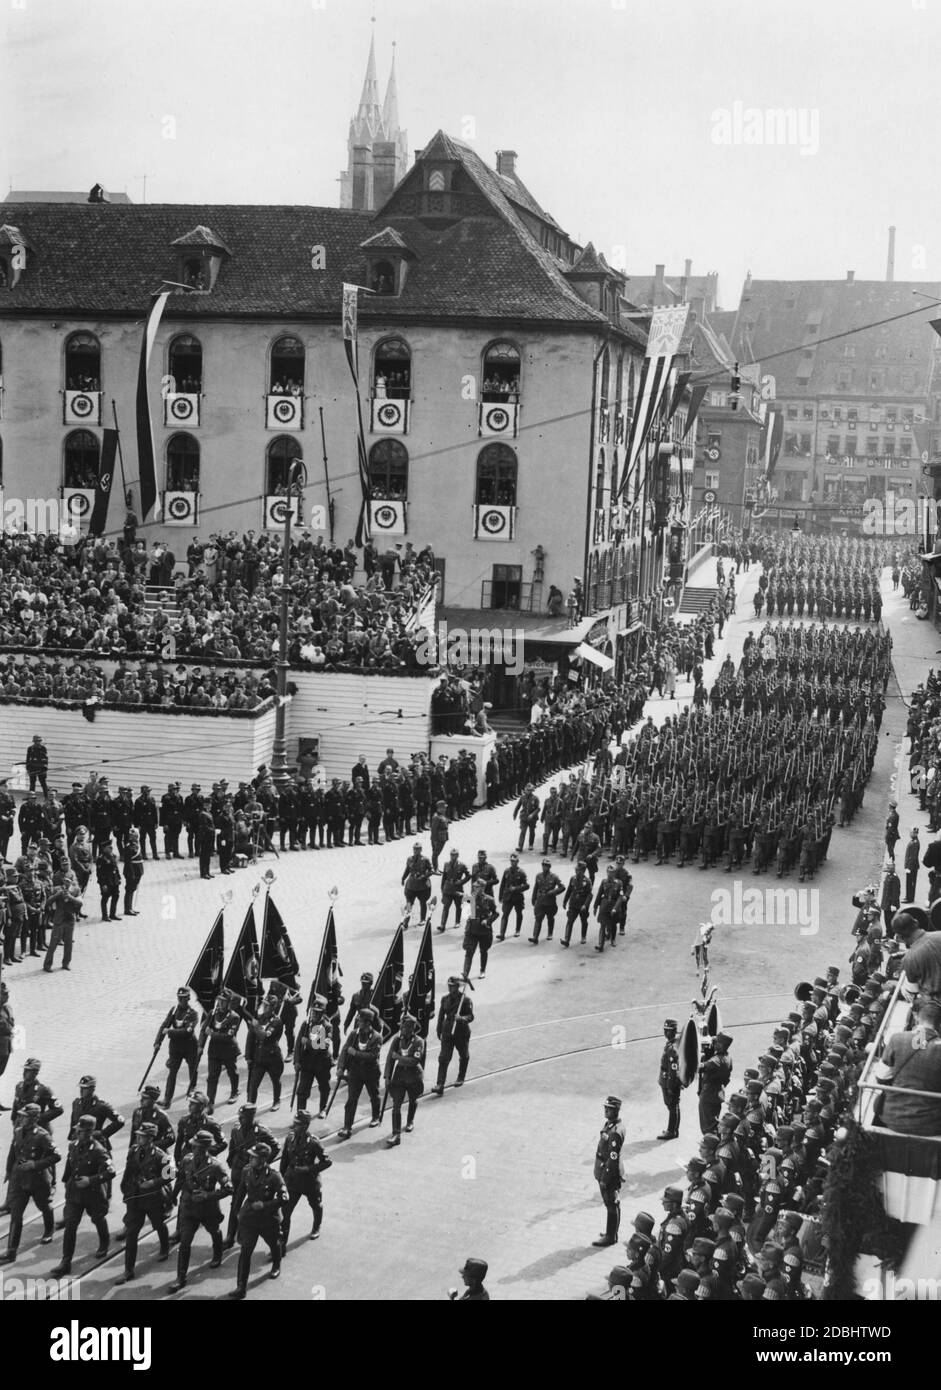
(696, 398)
(99, 512)
(146, 464)
(663, 341)
(205, 978)
(350, 321)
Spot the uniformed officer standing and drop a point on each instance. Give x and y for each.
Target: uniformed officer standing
(263, 1196)
(714, 1075)
(313, 1056)
(302, 1162)
(201, 1182)
(88, 1172)
(672, 1238)
(30, 1172)
(180, 1027)
(245, 1134)
(359, 1063)
(146, 1186)
(404, 1075)
(670, 1087)
(455, 1016)
(609, 1172)
(221, 1029)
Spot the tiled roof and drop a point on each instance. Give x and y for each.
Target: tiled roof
(109, 259)
(777, 315)
(589, 263)
(517, 192)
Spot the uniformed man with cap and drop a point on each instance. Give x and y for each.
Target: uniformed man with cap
(670, 1087)
(201, 1182)
(245, 1134)
(473, 1273)
(195, 1120)
(619, 1282)
(180, 1027)
(512, 896)
(267, 1057)
(147, 1189)
(685, 1285)
(577, 903)
(609, 1168)
(313, 1055)
(148, 1112)
(107, 1120)
(30, 1172)
(404, 1075)
(88, 1172)
(455, 1016)
(361, 999)
(547, 890)
(454, 876)
(33, 1091)
(478, 929)
(359, 1063)
(263, 1196)
(220, 1029)
(714, 1075)
(672, 1236)
(302, 1161)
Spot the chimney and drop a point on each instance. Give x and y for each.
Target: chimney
(658, 285)
(687, 268)
(850, 276)
(506, 162)
(684, 283)
(890, 262)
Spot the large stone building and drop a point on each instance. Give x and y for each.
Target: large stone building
(857, 405)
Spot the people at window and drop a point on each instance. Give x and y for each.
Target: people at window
(82, 381)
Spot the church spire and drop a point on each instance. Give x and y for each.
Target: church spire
(390, 107)
(369, 117)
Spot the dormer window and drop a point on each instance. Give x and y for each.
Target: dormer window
(387, 259)
(200, 253)
(382, 278)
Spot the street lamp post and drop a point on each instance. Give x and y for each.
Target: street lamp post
(279, 761)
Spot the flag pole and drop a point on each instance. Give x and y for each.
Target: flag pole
(114, 412)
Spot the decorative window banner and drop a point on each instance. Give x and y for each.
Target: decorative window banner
(284, 412)
(181, 408)
(387, 518)
(498, 419)
(82, 408)
(388, 416)
(181, 508)
(276, 511)
(77, 503)
(494, 523)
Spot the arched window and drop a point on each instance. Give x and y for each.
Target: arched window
(392, 369)
(605, 384)
(81, 459)
(496, 476)
(287, 368)
(600, 475)
(388, 471)
(185, 361)
(182, 463)
(281, 452)
(382, 278)
(501, 373)
(82, 362)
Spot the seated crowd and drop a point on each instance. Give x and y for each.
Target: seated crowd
(152, 683)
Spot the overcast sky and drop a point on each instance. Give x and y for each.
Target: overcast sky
(615, 108)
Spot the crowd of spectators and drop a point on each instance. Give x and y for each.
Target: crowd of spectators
(154, 684)
(90, 597)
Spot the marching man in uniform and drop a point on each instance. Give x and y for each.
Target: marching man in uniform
(609, 1172)
(404, 1075)
(264, 1195)
(455, 1016)
(302, 1162)
(146, 1186)
(313, 1056)
(180, 1026)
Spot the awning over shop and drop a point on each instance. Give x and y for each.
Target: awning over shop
(606, 663)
